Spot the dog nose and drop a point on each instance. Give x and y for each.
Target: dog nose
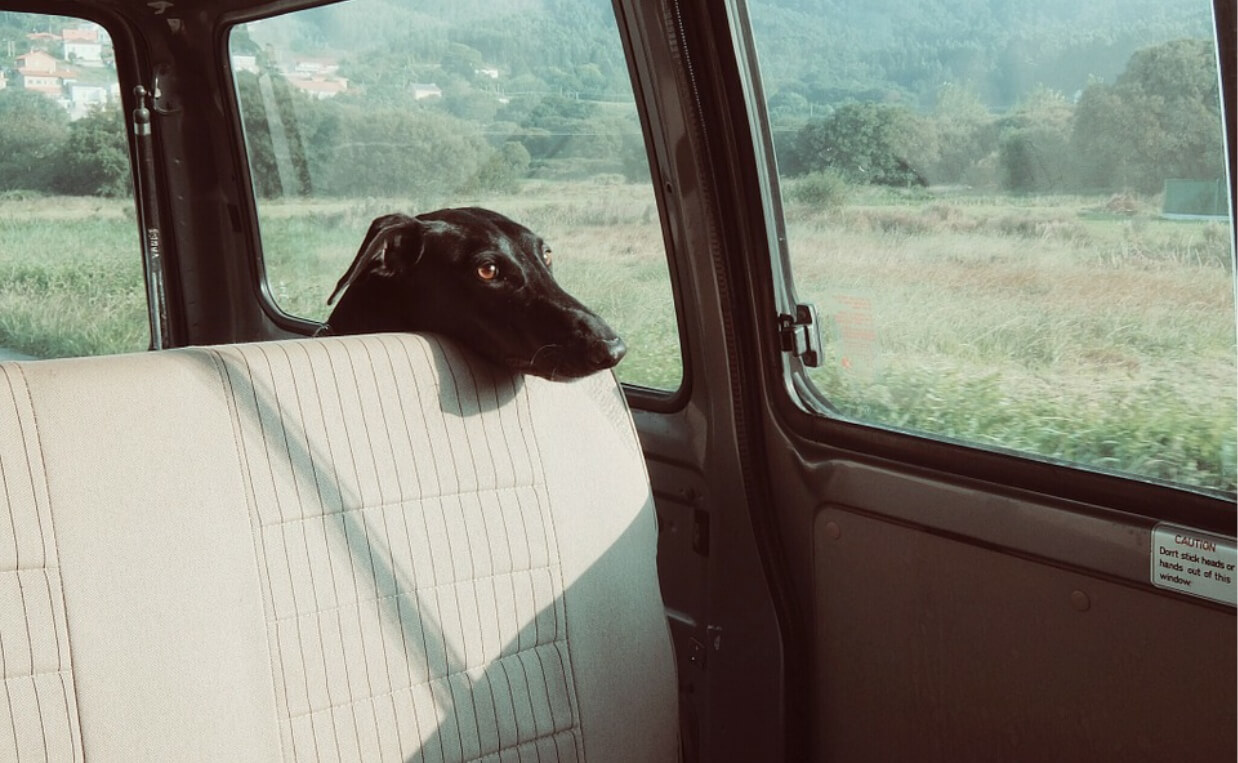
(609, 352)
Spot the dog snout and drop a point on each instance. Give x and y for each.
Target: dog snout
(599, 344)
(608, 352)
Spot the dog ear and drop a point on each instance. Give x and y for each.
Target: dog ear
(386, 234)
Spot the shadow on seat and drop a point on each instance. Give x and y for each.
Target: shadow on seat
(378, 547)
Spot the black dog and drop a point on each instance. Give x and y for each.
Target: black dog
(477, 277)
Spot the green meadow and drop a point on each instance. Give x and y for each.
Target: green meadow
(1082, 329)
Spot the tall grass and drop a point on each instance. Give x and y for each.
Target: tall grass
(70, 278)
(607, 244)
(1044, 325)
(1078, 329)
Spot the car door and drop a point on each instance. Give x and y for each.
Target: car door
(960, 331)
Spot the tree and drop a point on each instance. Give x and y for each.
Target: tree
(1160, 119)
(1034, 159)
(394, 152)
(462, 61)
(1033, 148)
(94, 160)
(554, 108)
(966, 133)
(503, 170)
(868, 143)
(590, 81)
(32, 129)
(788, 102)
(470, 104)
(1111, 135)
(566, 128)
(279, 124)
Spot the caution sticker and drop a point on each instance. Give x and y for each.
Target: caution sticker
(1196, 563)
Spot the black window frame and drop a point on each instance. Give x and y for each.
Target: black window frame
(805, 412)
(638, 396)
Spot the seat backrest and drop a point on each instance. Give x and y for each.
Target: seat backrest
(360, 548)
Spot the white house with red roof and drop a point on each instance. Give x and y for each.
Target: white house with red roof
(320, 87)
(40, 72)
(316, 77)
(83, 45)
(38, 62)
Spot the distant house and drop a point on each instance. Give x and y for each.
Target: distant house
(83, 45)
(319, 87)
(488, 71)
(48, 84)
(244, 63)
(316, 77)
(42, 40)
(81, 99)
(314, 67)
(37, 62)
(423, 90)
(40, 72)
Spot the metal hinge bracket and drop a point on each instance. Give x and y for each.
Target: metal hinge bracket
(801, 334)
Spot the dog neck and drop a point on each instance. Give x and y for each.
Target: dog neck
(372, 304)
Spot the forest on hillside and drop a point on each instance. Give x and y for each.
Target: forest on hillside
(824, 51)
(1020, 95)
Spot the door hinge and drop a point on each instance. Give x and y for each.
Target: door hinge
(801, 334)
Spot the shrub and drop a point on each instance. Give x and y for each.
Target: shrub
(1034, 160)
(824, 190)
(502, 171)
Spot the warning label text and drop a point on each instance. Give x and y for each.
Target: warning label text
(1196, 563)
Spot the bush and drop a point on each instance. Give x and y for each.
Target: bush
(503, 170)
(392, 152)
(1034, 160)
(824, 190)
(94, 160)
(33, 129)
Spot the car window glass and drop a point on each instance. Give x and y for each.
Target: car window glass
(70, 264)
(1013, 218)
(363, 108)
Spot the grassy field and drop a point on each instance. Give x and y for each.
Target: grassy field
(1082, 329)
(70, 278)
(606, 239)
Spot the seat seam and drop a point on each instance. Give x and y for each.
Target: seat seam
(73, 715)
(577, 721)
(216, 358)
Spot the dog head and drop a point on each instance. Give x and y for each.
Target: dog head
(479, 278)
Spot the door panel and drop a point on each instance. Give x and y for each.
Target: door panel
(964, 592)
(683, 556)
(961, 650)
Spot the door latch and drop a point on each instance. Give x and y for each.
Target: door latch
(801, 334)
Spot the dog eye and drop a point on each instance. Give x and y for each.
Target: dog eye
(546, 258)
(487, 271)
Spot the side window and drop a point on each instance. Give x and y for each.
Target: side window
(1014, 222)
(71, 278)
(362, 108)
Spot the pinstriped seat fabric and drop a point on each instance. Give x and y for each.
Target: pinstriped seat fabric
(360, 548)
(38, 702)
